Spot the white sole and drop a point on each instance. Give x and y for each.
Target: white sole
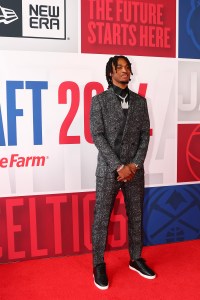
(101, 287)
(145, 276)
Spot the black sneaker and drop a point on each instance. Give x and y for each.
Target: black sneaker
(100, 276)
(140, 267)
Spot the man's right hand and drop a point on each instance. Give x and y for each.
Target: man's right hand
(125, 174)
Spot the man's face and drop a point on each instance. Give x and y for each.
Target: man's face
(121, 75)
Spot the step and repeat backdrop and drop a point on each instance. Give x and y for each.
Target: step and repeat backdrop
(53, 57)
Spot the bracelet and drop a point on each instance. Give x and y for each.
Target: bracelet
(120, 168)
(137, 167)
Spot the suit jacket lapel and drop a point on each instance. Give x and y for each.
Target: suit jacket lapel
(116, 105)
(131, 114)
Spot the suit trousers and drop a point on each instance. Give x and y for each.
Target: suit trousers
(106, 192)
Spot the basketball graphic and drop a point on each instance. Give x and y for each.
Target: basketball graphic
(193, 153)
(175, 235)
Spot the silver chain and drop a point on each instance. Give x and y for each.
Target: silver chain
(123, 98)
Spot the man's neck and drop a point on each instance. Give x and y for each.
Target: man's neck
(121, 86)
(119, 91)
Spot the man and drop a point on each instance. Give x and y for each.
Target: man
(120, 127)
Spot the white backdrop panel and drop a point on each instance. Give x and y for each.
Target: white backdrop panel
(71, 167)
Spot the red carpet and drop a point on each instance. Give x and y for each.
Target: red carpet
(177, 267)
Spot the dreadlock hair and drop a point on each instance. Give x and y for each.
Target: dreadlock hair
(113, 62)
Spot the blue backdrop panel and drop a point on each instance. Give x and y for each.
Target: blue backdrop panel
(171, 214)
(189, 29)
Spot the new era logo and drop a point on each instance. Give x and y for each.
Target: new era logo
(33, 18)
(7, 15)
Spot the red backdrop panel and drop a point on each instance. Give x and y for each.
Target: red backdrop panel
(145, 28)
(188, 153)
(54, 225)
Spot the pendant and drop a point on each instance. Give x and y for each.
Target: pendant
(124, 104)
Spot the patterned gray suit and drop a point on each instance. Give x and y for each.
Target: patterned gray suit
(106, 120)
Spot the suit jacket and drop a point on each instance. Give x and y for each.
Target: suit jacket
(106, 120)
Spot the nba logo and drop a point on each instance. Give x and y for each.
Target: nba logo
(193, 23)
